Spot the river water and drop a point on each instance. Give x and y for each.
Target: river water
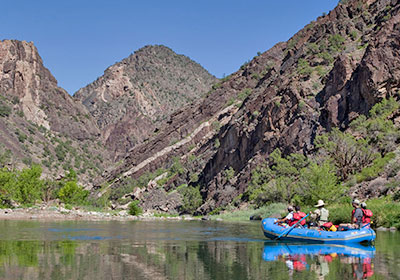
(181, 250)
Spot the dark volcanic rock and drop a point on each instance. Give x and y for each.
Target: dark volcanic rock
(333, 70)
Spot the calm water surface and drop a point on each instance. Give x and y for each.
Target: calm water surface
(181, 250)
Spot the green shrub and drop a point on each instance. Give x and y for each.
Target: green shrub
(353, 35)
(379, 129)
(348, 154)
(72, 193)
(5, 110)
(216, 86)
(303, 67)
(7, 182)
(336, 42)
(230, 102)
(21, 136)
(176, 167)
(194, 177)
(229, 173)
(134, 208)
(216, 125)
(244, 94)
(373, 171)
(319, 181)
(326, 57)
(217, 143)
(313, 48)
(244, 215)
(5, 157)
(340, 213)
(28, 186)
(191, 198)
(192, 157)
(321, 71)
(386, 212)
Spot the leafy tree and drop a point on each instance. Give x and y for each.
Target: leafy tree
(28, 185)
(278, 183)
(72, 193)
(319, 181)
(379, 130)
(349, 154)
(191, 198)
(7, 181)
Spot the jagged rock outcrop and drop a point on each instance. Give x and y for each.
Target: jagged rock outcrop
(38, 116)
(333, 70)
(134, 96)
(31, 86)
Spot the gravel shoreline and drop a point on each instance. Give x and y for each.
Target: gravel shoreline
(57, 213)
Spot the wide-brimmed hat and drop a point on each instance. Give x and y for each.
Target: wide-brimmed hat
(320, 203)
(356, 201)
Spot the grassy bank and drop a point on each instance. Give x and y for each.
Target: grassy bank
(244, 215)
(386, 212)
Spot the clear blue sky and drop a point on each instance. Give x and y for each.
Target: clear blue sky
(78, 40)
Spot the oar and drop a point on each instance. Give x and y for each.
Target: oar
(292, 227)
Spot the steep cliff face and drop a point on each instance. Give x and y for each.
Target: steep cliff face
(37, 115)
(333, 70)
(31, 86)
(135, 95)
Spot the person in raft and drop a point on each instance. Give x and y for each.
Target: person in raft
(357, 214)
(367, 213)
(297, 217)
(356, 217)
(320, 215)
(289, 217)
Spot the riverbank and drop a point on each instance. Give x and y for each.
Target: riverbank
(386, 214)
(60, 213)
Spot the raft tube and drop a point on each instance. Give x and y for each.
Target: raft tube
(272, 231)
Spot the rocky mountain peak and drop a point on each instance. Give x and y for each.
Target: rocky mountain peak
(135, 95)
(39, 121)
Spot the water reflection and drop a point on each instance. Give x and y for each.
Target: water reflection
(321, 258)
(181, 250)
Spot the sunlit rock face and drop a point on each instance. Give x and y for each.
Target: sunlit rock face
(34, 90)
(333, 70)
(133, 97)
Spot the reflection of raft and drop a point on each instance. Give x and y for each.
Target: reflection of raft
(272, 252)
(272, 231)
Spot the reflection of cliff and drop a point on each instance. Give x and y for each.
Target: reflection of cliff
(118, 259)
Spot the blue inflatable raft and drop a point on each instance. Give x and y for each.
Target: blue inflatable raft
(273, 251)
(272, 231)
